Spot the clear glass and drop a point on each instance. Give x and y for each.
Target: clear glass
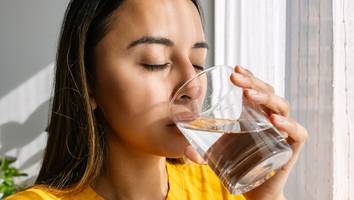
(233, 135)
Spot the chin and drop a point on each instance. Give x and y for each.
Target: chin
(169, 142)
(174, 149)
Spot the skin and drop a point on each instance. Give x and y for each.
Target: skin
(135, 100)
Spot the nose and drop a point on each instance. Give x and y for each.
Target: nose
(190, 91)
(186, 104)
(188, 95)
(189, 87)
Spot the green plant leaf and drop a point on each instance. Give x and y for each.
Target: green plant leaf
(7, 174)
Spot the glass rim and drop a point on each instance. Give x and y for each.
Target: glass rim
(196, 76)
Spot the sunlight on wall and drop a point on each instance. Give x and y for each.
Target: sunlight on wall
(24, 115)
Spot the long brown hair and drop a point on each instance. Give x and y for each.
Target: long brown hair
(76, 143)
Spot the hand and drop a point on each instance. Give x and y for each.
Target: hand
(277, 110)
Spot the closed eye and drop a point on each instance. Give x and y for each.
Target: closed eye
(157, 67)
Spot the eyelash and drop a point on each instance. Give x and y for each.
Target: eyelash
(155, 67)
(163, 66)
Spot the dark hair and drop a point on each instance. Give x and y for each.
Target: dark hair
(76, 143)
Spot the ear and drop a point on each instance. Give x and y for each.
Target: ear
(93, 103)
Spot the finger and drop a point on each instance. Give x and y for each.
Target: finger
(193, 155)
(243, 71)
(295, 131)
(273, 102)
(284, 134)
(297, 134)
(259, 83)
(250, 82)
(241, 80)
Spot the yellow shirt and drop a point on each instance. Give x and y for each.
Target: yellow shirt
(186, 182)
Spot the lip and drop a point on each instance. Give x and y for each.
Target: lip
(186, 116)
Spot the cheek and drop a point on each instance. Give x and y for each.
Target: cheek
(130, 96)
(136, 109)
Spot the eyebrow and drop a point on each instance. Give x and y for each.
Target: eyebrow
(162, 41)
(201, 45)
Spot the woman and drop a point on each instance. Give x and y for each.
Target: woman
(118, 65)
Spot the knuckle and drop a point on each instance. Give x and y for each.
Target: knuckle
(269, 98)
(294, 124)
(302, 131)
(248, 72)
(306, 134)
(270, 88)
(253, 82)
(286, 106)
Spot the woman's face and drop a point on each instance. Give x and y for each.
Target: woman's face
(152, 47)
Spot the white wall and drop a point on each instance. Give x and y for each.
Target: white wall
(28, 37)
(309, 71)
(251, 33)
(343, 99)
(320, 71)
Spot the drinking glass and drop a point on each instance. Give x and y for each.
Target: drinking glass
(232, 134)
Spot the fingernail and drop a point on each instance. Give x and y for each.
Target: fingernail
(240, 77)
(280, 119)
(252, 92)
(284, 134)
(255, 95)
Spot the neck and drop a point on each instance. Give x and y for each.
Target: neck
(131, 175)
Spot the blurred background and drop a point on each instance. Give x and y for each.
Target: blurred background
(304, 48)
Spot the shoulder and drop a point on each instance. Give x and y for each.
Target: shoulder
(44, 193)
(33, 193)
(197, 182)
